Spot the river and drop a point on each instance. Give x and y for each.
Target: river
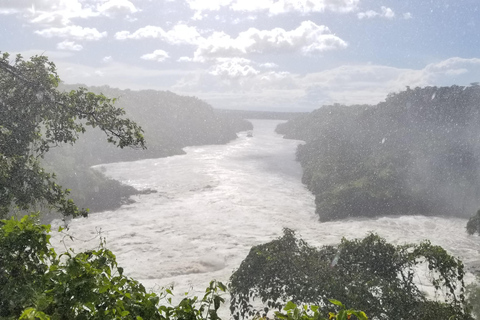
(216, 202)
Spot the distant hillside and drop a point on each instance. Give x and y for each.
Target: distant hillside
(416, 153)
(170, 121)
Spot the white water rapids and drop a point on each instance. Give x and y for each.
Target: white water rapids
(216, 202)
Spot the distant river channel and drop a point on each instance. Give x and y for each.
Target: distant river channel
(217, 201)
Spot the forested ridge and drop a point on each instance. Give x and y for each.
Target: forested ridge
(417, 152)
(170, 123)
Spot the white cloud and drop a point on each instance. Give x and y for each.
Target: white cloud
(367, 14)
(407, 15)
(307, 38)
(179, 34)
(273, 7)
(72, 32)
(8, 11)
(107, 59)
(69, 45)
(157, 55)
(58, 13)
(113, 8)
(385, 13)
(185, 59)
(233, 68)
(453, 68)
(269, 65)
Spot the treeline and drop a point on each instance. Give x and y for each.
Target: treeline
(170, 123)
(415, 153)
(252, 114)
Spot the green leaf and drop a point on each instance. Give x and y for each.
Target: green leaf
(290, 306)
(337, 303)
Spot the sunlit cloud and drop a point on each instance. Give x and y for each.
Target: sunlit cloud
(61, 13)
(116, 7)
(307, 38)
(269, 65)
(384, 13)
(233, 68)
(273, 7)
(179, 34)
(157, 55)
(73, 32)
(69, 45)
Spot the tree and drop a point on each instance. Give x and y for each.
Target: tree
(34, 117)
(369, 274)
(473, 224)
(473, 296)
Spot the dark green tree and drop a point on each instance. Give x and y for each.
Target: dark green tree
(368, 274)
(34, 117)
(473, 224)
(473, 296)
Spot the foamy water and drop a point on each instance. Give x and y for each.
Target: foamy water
(216, 202)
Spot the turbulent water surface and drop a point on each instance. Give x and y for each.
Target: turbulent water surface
(214, 203)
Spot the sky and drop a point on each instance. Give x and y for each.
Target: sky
(273, 55)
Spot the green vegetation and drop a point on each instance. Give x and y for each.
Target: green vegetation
(311, 312)
(368, 274)
(473, 296)
(34, 117)
(473, 224)
(415, 153)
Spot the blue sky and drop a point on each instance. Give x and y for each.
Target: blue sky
(282, 55)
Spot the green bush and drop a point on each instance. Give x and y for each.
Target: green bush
(368, 274)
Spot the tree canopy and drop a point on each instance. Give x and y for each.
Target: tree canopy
(34, 117)
(473, 224)
(369, 274)
(415, 153)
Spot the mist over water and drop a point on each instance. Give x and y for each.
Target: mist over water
(216, 202)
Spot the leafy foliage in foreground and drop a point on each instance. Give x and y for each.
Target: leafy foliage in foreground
(311, 312)
(368, 274)
(36, 283)
(34, 117)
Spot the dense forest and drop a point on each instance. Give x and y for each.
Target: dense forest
(170, 122)
(417, 152)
